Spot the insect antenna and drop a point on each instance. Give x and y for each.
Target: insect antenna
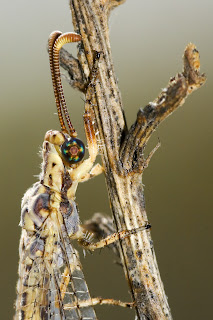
(55, 43)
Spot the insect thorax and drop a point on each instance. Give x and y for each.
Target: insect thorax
(46, 207)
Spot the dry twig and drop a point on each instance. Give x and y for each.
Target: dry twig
(122, 152)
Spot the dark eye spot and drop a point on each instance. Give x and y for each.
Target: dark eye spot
(73, 150)
(53, 164)
(50, 176)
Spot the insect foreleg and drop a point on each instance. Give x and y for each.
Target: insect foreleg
(96, 170)
(82, 173)
(83, 170)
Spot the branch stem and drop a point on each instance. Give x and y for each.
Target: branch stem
(122, 150)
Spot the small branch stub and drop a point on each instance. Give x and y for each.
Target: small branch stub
(155, 112)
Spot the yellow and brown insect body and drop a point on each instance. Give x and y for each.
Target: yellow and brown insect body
(49, 270)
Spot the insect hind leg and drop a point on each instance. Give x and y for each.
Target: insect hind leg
(99, 301)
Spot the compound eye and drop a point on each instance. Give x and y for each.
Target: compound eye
(73, 150)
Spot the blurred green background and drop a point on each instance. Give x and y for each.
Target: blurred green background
(148, 39)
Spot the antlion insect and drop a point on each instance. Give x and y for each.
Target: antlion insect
(51, 283)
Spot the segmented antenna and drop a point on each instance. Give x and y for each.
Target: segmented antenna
(55, 43)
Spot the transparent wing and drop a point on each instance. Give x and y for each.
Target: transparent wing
(70, 281)
(51, 283)
(52, 288)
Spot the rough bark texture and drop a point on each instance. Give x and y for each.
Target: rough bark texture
(122, 150)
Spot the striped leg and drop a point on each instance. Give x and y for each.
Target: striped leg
(85, 240)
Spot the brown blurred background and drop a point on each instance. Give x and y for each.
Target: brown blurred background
(148, 39)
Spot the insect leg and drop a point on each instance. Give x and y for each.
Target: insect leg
(89, 302)
(96, 170)
(99, 301)
(82, 172)
(108, 240)
(84, 168)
